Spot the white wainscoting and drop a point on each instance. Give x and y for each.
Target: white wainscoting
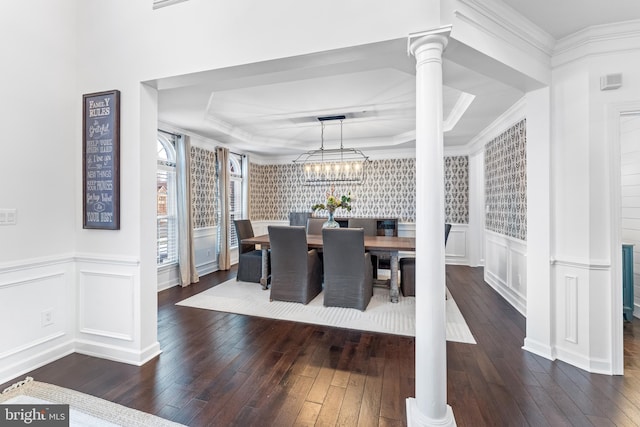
(37, 314)
(206, 254)
(100, 294)
(578, 283)
(457, 245)
(457, 250)
(168, 276)
(206, 257)
(108, 323)
(505, 268)
(260, 227)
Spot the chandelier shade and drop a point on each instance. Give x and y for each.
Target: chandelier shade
(329, 165)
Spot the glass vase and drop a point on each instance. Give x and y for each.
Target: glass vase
(331, 223)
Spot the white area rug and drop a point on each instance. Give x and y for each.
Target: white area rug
(380, 316)
(84, 410)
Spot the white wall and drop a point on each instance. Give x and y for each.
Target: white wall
(40, 113)
(585, 275)
(475, 236)
(39, 116)
(630, 170)
(539, 302)
(60, 50)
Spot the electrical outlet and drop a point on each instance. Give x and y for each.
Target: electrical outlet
(47, 317)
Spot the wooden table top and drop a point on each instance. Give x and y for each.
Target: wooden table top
(383, 243)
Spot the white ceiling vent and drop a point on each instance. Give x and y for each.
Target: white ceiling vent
(610, 81)
(157, 4)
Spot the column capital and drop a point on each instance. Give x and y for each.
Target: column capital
(438, 36)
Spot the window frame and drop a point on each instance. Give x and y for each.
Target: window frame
(167, 165)
(236, 179)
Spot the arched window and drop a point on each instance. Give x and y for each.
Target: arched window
(166, 200)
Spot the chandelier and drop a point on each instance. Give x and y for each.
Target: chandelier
(328, 165)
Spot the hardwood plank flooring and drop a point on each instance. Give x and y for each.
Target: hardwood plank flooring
(224, 369)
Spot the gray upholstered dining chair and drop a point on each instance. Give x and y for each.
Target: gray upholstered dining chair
(348, 274)
(299, 218)
(370, 227)
(249, 258)
(296, 272)
(314, 225)
(408, 269)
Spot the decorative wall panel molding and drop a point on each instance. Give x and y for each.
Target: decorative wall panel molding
(505, 268)
(388, 191)
(571, 309)
(100, 295)
(45, 329)
(506, 183)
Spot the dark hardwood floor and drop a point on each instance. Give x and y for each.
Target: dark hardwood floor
(224, 369)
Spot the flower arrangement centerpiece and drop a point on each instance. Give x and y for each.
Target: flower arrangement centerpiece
(331, 205)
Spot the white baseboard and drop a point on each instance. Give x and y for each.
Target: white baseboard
(28, 361)
(118, 354)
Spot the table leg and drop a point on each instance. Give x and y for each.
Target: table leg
(265, 268)
(393, 283)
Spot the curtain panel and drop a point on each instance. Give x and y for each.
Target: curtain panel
(186, 251)
(224, 257)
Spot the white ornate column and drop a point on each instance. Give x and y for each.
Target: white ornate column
(429, 407)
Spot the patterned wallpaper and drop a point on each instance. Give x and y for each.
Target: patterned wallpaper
(505, 171)
(456, 189)
(203, 187)
(388, 191)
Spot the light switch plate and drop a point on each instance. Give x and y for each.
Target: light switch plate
(8, 216)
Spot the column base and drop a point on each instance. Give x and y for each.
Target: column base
(415, 418)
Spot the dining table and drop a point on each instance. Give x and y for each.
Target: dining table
(377, 245)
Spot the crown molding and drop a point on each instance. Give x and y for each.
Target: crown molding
(510, 117)
(501, 21)
(597, 40)
(458, 110)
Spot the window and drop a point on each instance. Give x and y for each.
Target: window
(166, 201)
(235, 195)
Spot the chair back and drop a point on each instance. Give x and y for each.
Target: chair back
(348, 273)
(299, 218)
(244, 230)
(314, 225)
(369, 225)
(288, 253)
(447, 229)
(296, 274)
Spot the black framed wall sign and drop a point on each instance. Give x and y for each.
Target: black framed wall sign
(101, 160)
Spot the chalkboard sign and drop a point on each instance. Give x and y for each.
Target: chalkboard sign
(101, 160)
